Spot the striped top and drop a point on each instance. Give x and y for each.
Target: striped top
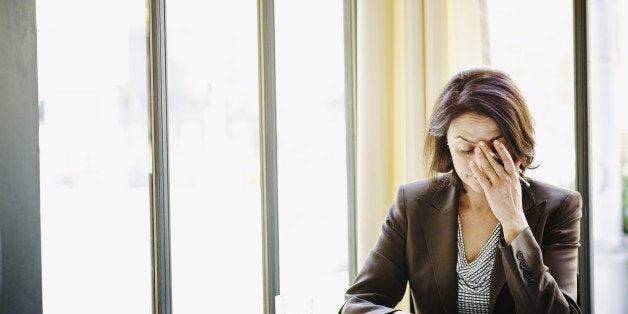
(474, 279)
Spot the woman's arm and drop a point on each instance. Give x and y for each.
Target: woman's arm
(381, 283)
(543, 279)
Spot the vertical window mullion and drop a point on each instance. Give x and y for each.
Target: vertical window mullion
(351, 132)
(585, 293)
(268, 153)
(160, 198)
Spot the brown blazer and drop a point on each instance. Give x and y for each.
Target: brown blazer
(536, 273)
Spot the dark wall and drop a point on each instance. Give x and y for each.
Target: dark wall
(19, 160)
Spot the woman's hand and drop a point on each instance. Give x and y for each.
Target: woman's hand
(501, 187)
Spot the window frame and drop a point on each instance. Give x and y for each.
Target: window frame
(159, 177)
(585, 275)
(268, 153)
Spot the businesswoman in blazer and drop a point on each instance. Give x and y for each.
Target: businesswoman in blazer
(477, 236)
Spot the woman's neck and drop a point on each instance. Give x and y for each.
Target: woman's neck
(471, 200)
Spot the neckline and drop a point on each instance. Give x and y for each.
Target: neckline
(484, 249)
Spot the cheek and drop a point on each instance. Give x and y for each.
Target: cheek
(461, 163)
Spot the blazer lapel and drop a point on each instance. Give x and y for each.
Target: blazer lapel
(498, 278)
(440, 225)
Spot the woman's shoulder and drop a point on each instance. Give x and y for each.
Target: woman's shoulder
(425, 188)
(556, 199)
(543, 191)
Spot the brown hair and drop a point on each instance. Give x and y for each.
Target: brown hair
(488, 93)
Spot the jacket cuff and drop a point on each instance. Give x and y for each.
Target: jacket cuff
(524, 257)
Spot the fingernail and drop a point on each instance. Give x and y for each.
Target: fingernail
(497, 143)
(478, 150)
(482, 144)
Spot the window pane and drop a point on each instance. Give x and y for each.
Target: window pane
(95, 156)
(539, 57)
(608, 78)
(312, 174)
(214, 156)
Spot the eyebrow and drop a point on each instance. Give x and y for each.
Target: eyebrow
(470, 142)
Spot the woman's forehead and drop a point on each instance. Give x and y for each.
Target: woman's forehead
(473, 128)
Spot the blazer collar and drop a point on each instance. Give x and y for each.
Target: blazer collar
(445, 199)
(440, 227)
(528, 200)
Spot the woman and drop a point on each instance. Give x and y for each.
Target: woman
(478, 237)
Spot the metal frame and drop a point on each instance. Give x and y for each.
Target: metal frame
(350, 52)
(159, 179)
(268, 152)
(585, 278)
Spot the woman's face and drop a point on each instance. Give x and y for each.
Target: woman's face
(464, 133)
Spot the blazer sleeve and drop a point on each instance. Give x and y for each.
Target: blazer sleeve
(381, 283)
(544, 279)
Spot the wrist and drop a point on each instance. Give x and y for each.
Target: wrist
(512, 228)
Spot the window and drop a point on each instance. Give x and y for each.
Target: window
(608, 77)
(312, 174)
(94, 156)
(214, 156)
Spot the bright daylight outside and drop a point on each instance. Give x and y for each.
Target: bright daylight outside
(94, 156)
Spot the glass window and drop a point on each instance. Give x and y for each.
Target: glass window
(608, 78)
(214, 156)
(312, 177)
(94, 156)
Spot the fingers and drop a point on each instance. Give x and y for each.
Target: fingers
(479, 175)
(485, 162)
(509, 165)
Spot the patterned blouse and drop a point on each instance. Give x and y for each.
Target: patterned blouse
(474, 279)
